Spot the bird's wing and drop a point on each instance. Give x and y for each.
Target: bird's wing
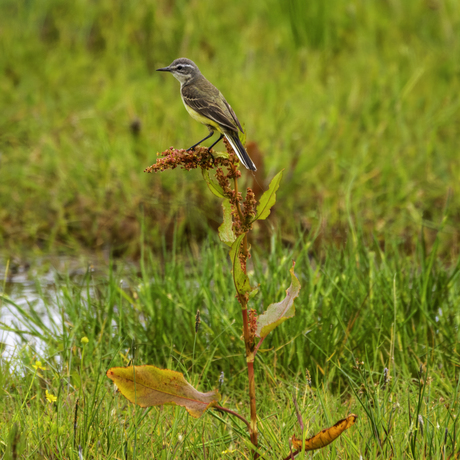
(207, 100)
(233, 114)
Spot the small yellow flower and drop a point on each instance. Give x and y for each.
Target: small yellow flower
(84, 340)
(51, 398)
(39, 365)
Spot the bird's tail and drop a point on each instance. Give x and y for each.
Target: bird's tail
(240, 151)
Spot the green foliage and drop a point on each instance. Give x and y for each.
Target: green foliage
(226, 234)
(213, 185)
(240, 278)
(358, 105)
(268, 199)
(356, 100)
(360, 311)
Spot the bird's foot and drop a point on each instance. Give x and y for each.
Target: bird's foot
(212, 156)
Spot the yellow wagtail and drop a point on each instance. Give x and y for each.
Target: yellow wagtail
(205, 103)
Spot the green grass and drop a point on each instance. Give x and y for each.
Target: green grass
(360, 311)
(358, 100)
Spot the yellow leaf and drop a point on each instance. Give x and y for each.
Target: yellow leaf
(326, 436)
(150, 386)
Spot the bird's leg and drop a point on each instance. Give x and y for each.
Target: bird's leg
(199, 142)
(209, 148)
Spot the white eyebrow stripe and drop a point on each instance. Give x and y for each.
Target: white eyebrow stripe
(183, 65)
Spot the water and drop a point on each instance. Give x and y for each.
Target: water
(34, 289)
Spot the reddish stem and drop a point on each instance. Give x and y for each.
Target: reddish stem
(258, 345)
(247, 339)
(292, 455)
(297, 411)
(252, 400)
(224, 409)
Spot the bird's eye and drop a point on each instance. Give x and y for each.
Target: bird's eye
(179, 67)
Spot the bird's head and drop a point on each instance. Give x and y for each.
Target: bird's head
(183, 69)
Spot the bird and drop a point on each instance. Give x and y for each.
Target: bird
(206, 104)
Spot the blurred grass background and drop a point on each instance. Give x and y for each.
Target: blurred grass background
(357, 100)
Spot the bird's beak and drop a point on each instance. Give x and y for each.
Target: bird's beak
(164, 69)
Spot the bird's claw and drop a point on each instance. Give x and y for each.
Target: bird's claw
(212, 156)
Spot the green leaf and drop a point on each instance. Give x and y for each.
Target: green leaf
(277, 313)
(240, 278)
(226, 233)
(254, 292)
(215, 188)
(268, 199)
(150, 386)
(220, 154)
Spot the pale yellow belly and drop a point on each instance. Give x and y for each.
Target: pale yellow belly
(205, 121)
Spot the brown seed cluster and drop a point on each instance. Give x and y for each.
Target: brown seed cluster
(249, 210)
(172, 158)
(252, 323)
(243, 210)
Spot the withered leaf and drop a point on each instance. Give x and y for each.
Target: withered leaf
(150, 386)
(277, 313)
(326, 436)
